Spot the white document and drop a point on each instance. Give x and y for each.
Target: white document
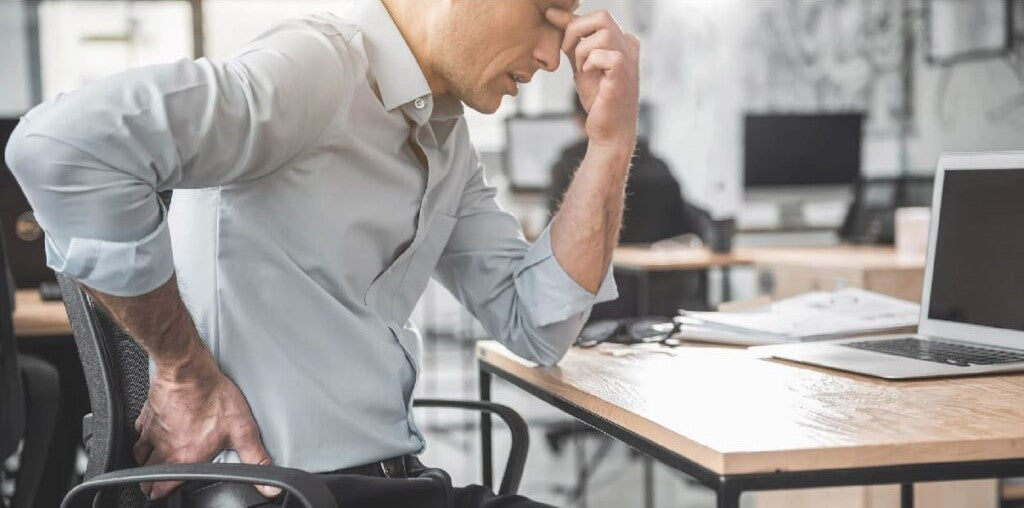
(809, 316)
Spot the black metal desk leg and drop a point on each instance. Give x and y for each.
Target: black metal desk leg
(643, 293)
(648, 482)
(727, 495)
(726, 284)
(485, 431)
(907, 495)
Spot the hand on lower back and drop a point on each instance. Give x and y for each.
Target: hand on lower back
(192, 416)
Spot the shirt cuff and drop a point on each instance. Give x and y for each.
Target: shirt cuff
(116, 268)
(550, 295)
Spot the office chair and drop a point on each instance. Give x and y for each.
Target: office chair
(869, 220)
(117, 374)
(29, 398)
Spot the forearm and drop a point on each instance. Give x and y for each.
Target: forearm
(161, 324)
(585, 230)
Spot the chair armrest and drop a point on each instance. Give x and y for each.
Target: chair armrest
(520, 435)
(305, 487)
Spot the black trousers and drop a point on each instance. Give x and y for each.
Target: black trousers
(424, 487)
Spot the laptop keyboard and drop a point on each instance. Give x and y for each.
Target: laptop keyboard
(940, 351)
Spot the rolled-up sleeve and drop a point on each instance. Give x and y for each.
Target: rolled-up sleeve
(554, 295)
(519, 292)
(92, 162)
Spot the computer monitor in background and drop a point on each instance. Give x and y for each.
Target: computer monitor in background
(796, 159)
(801, 150)
(533, 145)
(24, 237)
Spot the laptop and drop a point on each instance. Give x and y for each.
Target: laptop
(972, 304)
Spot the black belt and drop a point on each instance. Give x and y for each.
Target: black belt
(395, 467)
(239, 494)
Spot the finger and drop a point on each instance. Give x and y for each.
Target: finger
(634, 40)
(142, 449)
(589, 24)
(559, 17)
(161, 489)
(143, 420)
(158, 490)
(247, 443)
(603, 60)
(600, 40)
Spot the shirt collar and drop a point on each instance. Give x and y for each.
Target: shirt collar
(399, 78)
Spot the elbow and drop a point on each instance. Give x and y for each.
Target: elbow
(17, 153)
(544, 353)
(540, 353)
(27, 157)
(544, 345)
(39, 163)
(550, 359)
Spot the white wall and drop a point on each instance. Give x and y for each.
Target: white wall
(15, 84)
(711, 61)
(973, 106)
(230, 24)
(86, 40)
(695, 65)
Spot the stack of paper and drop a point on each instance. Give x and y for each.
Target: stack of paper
(809, 316)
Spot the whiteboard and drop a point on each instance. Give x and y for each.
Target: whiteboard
(534, 145)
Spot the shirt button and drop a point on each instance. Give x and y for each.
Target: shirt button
(419, 103)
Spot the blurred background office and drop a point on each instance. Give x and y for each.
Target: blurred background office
(807, 122)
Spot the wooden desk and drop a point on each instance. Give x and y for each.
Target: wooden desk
(800, 269)
(642, 261)
(794, 270)
(35, 318)
(736, 423)
(643, 258)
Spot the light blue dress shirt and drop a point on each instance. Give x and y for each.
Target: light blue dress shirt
(304, 227)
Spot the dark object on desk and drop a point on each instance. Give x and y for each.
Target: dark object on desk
(117, 374)
(722, 233)
(29, 398)
(49, 291)
(26, 253)
(629, 331)
(871, 216)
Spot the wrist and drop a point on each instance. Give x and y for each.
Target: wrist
(616, 153)
(192, 362)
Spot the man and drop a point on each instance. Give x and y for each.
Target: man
(322, 175)
(655, 210)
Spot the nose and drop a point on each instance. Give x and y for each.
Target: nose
(548, 51)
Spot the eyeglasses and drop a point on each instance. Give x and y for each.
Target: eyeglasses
(650, 330)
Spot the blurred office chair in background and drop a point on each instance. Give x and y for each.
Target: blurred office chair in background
(29, 399)
(871, 216)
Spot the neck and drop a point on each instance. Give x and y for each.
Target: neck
(414, 19)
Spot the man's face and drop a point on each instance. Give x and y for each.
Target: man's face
(490, 47)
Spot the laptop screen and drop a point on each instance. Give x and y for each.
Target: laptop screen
(978, 275)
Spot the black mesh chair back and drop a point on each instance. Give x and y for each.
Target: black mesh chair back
(117, 374)
(12, 402)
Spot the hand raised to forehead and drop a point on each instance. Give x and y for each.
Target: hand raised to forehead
(605, 63)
